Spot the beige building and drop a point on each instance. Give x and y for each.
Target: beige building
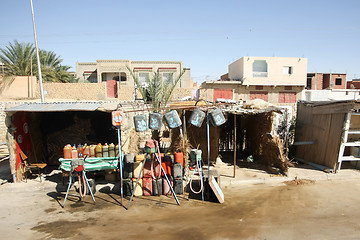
(104, 70)
(278, 80)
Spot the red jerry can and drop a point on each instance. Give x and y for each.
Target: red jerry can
(147, 169)
(147, 186)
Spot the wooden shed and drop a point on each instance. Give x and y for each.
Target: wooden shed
(328, 132)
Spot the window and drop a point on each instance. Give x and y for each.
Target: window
(167, 77)
(260, 68)
(143, 79)
(287, 70)
(338, 81)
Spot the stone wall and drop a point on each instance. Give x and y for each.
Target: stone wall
(3, 128)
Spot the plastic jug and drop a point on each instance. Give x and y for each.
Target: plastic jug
(140, 123)
(74, 152)
(217, 117)
(98, 150)
(67, 151)
(92, 151)
(137, 169)
(112, 150)
(178, 186)
(147, 169)
(177, 170)
(197, 117)
(86, 150)
(172, 119)
(105, 150)
(166, 187)
(147, 186)
(138, 189)
(157, 186)
(179, 158)
(155, 121)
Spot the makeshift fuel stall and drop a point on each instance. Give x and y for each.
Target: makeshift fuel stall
(328, 133)
(42, 130)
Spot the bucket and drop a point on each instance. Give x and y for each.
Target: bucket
(137, 169)
(177, 170)
(140, 123)
(138, 189)
(147, 186)
(105, 150)
(155, 121)
(197, 117)
(112, 150)
(179, 158)
(157, 187)
(172, 119)
(166, 187)
(217, 117)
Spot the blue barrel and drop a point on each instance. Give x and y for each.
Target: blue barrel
(172, 119)
(217, 117)
(140, 123)
(197, 117)
(155, 121)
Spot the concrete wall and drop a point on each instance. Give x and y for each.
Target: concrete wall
(19, 87)
(114, 67)
(334, 94)
(243, 69)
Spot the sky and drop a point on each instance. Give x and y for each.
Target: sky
(205, 35)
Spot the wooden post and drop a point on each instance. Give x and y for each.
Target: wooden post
(234, 144)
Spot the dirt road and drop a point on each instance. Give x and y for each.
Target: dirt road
(297, 210)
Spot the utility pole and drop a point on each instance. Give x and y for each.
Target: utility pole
(37, 54)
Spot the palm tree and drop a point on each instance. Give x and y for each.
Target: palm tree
(17, 58)
(156, 90)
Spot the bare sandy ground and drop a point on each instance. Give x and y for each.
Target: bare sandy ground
(301, 209)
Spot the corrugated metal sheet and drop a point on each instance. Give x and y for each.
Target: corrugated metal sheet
(55, 107)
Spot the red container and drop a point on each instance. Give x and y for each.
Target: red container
(179, 157)
(147, 169)
(167, 168)
(166, 187)
(147, 186)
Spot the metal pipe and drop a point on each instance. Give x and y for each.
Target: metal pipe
(208, 148)
(234, 144)
(37, 54)
(120, 165)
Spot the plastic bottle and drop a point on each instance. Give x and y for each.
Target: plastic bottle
(98, 150)
(67, 151)
(86, 150)
(112, 150)
(74, 152)
(92, 151)
(105, 150)
(117, 150)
